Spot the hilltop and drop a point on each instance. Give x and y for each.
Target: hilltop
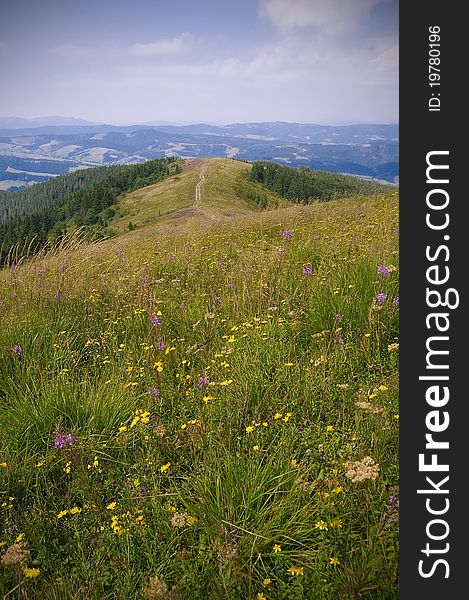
(210, 187)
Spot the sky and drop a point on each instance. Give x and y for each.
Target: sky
(212, 61)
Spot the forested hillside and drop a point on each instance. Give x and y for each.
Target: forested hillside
(84, 198)
(304, 185)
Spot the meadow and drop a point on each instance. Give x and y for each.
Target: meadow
(205, 410)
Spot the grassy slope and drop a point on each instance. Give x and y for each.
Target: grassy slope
(224, 192)
(208, 482)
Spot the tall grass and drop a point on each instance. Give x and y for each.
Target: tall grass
(215, 382)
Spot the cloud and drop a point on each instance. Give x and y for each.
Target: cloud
(176, 45)
(330, 16)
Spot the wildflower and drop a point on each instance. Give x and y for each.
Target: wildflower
(395, 301)
(381, 297)
(69, 439)
(16, 554)
(203, 381)
(330, 428)
(287, 234)
(266, 582)
(296, 570)
(294, 463)
(336, 523)
(165, 467)
(278, 416)
(322, 525)
(249, 429)
(338, 317)
(393, 347)
(358, 471)
(152, 390)
(17, 350)
(307, 271)
(75, 510)
(334, 561)
(217, 299)
(179, 520)
(62, 513)
(256, 448)
(260, 596)
(111, 505)
(154, 320)
(384, 271)
(59, 441)
(276, 548)
(160, 346)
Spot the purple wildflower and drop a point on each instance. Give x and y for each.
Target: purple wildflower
(40, 271)
(59, 441)
(384, 271)
(154, 321)
(160, 346)
(152, 390)
(338, 317)
(287, 234)
(308, 271)
(381, 297)
(395, 301)
(217, 299)
(18, 350)
(14, 295)
(56, 295)
(62, 268)
(339, 340)
(170, 257)
(69, 439)
(144, 278)
(203, 381)
(316, 236)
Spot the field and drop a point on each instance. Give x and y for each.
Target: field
(205, 407)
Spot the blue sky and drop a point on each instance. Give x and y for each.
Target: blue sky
(217, 61)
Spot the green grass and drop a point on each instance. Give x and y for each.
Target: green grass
(204, 492)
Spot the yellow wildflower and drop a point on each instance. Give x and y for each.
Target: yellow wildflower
(277, 548)
(62, 513)
(296, 570)
(165, 467)
(30, 572)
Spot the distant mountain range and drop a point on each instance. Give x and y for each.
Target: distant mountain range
(33, 150)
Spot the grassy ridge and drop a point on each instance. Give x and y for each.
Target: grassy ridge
(225, 190)
(217, 381)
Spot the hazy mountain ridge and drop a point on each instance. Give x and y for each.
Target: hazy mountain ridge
(370, 150)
